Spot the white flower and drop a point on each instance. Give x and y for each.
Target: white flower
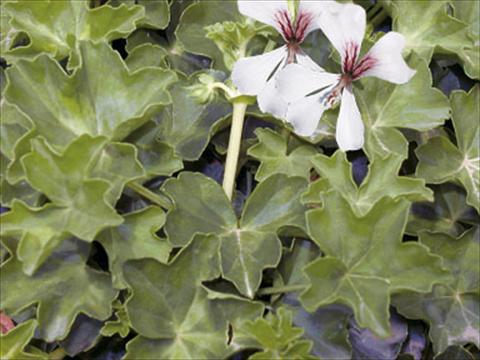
(311, 92)
(255, 75)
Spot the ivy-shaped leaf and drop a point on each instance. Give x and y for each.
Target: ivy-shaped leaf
(248, 245)
(277, 337)
(386, 107)
(327, 326)
(441, 161)
(62, 288)
(191, 31)
(186, 125)
(82, 183)
(15, 341)
(186, 324)
(365, 260)
(336, 173)
(429, 29)
(275, 158)
(63, 107)
(56, 27)
(134, 239)
(14, 128)
(449, 213)
(452, 309)
(157, 12)
(146, 55)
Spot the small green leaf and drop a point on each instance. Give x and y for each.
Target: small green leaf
(441, 161)
(451, 309)
(186, 323)
(386, 107)
(62, 288)
(55, 27)
(134, 239)
(232, 38)
(272, 152)
(121, 325)
(365, 260)
(276, 336)
(192, 29)
(336, 173)
(15, 341)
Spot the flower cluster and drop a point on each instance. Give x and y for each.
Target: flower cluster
(291, 86)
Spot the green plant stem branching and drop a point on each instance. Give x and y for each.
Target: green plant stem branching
(158, 199)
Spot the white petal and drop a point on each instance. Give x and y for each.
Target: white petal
(305, 114)
(250, 74)
(344, 24)
(305, 60)
(271, 101)
(263, 11)
(295, 81)
(350, 127)
(314, 9)
(389, 63)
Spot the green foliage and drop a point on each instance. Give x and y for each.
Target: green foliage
(365, 260)
(116, 237)
(386, 107)
(450, 308)
(61, 289)
(441, 160)
(189, 324)
(64, 24)
(277, 337)
(15, 341)
(430, 29)
(232, 38)
(336, 174)
(193, 27)
(275, 158)
(248, 245)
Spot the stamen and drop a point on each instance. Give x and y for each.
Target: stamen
(334, 95)
(350, 58)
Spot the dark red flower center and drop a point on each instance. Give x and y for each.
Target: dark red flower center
(353, 68)
(293, 32)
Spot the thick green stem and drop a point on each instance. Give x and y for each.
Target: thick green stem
(239, 109)
(158, 199)
(281, 289)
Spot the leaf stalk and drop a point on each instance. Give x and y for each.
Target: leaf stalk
(158, 199)
(234, 143)
(281, 289)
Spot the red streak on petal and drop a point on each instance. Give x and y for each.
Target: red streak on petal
(350, 57)
(303, 21)
(283, 20)
(363, 65)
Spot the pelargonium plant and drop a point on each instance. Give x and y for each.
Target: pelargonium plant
(271, 179)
